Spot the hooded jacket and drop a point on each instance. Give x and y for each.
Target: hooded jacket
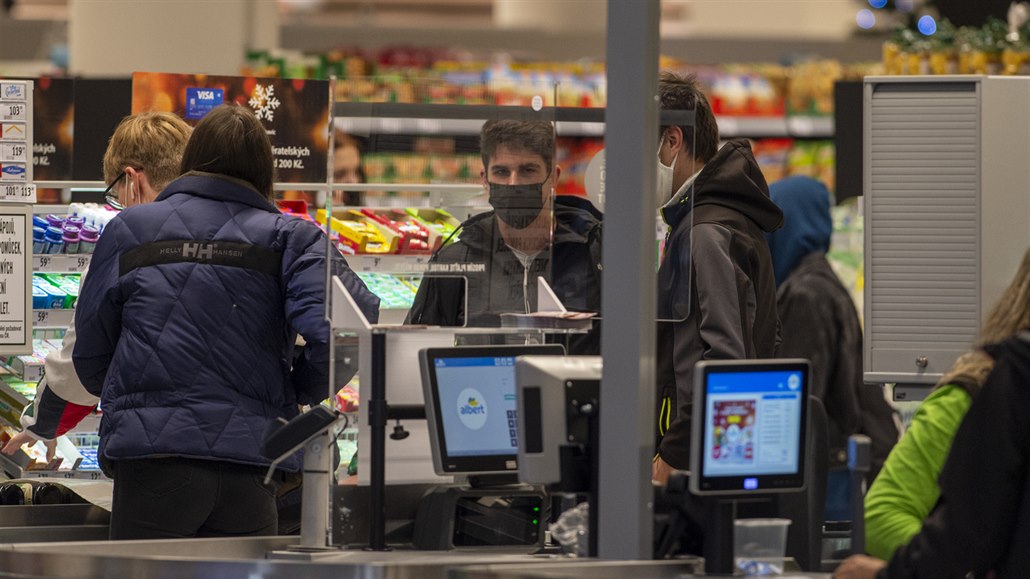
(715, 283)
(187, 321)
(981, 523)
(819, 322)
(499, 283)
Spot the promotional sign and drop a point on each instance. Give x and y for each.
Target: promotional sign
(53, 100)
(15, 304)
(295, 112)
(15, 141)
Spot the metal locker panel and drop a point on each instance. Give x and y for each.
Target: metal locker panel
(922, 227)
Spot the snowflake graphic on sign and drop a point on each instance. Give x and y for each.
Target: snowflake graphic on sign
(263, 101)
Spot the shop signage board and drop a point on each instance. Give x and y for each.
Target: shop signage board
(16, 192)
(295, 112)
(15, 279)
(16, 142)
(53, 127)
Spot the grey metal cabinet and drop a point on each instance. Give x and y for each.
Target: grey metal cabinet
(947, 215)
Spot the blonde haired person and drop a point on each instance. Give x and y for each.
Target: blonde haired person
(907, 490)
(142, 157)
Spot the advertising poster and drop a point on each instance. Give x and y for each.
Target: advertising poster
(53, 128)
(15, 328)
(733, 431)
(295, 112)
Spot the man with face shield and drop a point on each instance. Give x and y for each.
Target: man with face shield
(716, 288)
(530, 233)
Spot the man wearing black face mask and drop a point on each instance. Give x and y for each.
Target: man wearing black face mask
(530, 233)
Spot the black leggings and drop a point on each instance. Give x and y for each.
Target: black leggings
(165, 498)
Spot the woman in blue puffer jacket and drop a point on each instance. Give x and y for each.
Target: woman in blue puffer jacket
(186, 329)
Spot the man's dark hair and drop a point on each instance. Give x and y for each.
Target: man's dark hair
(231, 141)
(533, 136)
(683, 93)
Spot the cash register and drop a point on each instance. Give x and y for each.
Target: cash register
(470, 399)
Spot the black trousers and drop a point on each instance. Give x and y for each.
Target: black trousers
(165, 498)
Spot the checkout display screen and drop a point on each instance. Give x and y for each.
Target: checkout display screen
(752, 424)
(477, 405)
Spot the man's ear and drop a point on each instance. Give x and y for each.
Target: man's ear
(134, 185)
(673, 135)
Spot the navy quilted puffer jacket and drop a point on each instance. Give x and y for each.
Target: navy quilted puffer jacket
(187, 322)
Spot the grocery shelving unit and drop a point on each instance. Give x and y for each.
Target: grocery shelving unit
(466, 120)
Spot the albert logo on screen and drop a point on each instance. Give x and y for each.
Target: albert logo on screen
(472, 409)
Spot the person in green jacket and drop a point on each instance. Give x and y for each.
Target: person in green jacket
(906, 489)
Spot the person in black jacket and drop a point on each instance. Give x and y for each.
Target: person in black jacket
(981, 524)
(819, 322)
(716, 292)
(499, 255)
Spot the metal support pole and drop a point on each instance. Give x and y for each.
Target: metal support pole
(377, 416)
(628, 296)
(859, 460)
(720, 515)
(314, 516)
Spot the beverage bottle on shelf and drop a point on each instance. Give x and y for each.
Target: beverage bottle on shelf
(71, 239)
(53, 240)
(75, 220)
(55, 221)
(88, 236)
(38, 239)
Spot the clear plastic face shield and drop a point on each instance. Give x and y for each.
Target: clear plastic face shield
(486, 271)
(453, 226)
(678, 168)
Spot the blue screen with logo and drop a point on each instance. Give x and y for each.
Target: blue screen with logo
(477, 405)
(752, 423)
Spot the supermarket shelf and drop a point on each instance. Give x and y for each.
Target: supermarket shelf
(405, 118)
(811, 127)
(793, 127)
(64, 185)
(55, 319)
(64, 474)
(60, 262)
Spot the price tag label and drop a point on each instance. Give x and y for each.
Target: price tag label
(728, 125)
(20, 192)
(802, 126)
(13, 171)
(41, 262)
(42, 317)
(14, 90)
(60, 263)
(13, 111)
(78, 263)
(13, 131)
(14, 152)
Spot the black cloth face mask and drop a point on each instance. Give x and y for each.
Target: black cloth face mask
(517, 205)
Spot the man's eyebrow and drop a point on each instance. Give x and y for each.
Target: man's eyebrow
(520, 166)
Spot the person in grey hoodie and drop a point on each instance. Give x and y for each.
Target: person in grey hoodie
(716, 289)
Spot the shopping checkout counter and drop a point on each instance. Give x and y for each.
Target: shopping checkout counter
(512, 422)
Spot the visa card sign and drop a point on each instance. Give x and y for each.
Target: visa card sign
(294, 112)
(200, 101)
